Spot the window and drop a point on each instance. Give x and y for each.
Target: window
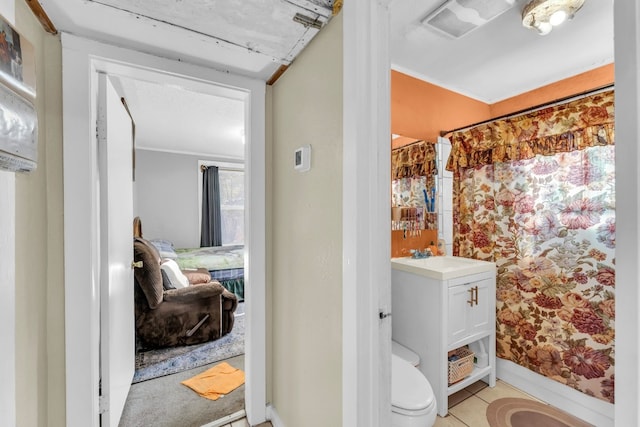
(232, 206)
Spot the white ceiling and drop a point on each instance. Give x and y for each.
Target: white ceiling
(502, 58)
(175, 119)
(255, 37)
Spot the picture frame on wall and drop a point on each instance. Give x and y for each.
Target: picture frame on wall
(17, 61)
(18, 115)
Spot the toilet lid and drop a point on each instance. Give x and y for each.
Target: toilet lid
(410, 390)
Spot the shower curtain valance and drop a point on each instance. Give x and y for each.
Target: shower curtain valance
(576, 125)
(413, 160)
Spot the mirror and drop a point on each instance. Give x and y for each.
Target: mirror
(414, 195)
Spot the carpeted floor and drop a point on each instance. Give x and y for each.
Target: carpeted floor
(516, 412)
(156, 363)
(164, 402)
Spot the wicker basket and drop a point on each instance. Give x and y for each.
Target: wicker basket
(462, 367)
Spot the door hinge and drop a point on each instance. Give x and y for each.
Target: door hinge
(103, 404)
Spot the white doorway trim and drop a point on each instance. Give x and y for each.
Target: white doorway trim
(366, 277)
(627, 127)
(82, 60)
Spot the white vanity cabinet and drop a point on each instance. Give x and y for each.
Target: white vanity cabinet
(438, 308)
(469, 311)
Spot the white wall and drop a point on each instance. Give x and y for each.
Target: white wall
(7, 9)
(166, 196)
(306, 312)
(8, 278)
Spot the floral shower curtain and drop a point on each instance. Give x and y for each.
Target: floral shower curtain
(536, 195)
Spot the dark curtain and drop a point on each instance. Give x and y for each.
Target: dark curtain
(211, 227)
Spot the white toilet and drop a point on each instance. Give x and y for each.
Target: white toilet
(404, 353)
(413, 403)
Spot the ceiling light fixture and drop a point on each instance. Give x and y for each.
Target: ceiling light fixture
(543, 15)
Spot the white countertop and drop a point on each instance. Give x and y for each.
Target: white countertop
(441, 267)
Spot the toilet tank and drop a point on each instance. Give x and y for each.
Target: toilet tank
(405, 353)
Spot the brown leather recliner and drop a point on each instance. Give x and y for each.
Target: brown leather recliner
(166, 318)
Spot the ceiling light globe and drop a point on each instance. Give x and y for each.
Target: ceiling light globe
(543, 15)
(558, 17)
(544, 28)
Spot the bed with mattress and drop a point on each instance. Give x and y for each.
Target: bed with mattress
(224, 263)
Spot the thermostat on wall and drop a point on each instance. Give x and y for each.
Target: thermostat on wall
(302, 159)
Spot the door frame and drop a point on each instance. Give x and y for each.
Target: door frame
(627, 127)
(366, 174)
(82, 60)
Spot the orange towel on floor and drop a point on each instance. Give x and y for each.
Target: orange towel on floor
(217, 381)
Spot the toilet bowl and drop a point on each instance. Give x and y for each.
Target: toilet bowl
(413, 403)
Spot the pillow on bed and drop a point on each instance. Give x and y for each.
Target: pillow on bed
(165, 248)
(175, 276)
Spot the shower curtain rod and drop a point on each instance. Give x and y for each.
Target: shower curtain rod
(531, 109)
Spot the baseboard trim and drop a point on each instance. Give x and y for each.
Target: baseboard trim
(590, 409)
(272, 415)
(227, 419)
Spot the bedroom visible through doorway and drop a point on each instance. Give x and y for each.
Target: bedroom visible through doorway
(84, 61)
(180, 138)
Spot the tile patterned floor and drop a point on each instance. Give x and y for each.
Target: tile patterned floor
(467, 408)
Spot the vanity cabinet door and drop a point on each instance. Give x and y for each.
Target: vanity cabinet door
(458, 314)
(469, 310)
(480, 317)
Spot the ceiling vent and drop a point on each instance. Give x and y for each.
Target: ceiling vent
(455, 18)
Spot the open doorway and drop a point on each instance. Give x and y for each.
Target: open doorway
(181, 138)
(85, 60)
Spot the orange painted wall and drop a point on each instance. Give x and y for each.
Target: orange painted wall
(589, 80)
(420, 110)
